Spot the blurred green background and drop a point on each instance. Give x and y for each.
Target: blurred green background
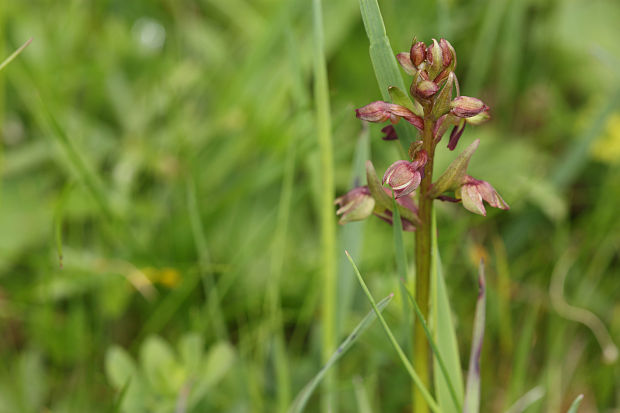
(167, 151)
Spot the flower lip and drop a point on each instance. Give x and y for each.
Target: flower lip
(404, 176)
(355, 205)
(474, 191)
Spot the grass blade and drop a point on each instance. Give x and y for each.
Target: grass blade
(403, 358)
(326, 210)
(444, 334)
(472, 394)
(575, 405)
(383, 61)
(527, 400)
(14, 54)
(435, 349)
(304, 395)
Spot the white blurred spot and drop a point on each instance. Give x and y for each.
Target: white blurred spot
(149, 34)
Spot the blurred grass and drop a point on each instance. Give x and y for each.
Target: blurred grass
(187, 133)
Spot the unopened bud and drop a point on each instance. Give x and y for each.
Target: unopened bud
(380, 111)
(466, 107)
(426, 88)
(418, 53)
(448, 53)
(355, 205)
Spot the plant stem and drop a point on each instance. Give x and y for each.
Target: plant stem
(423, 262)
(326, 212)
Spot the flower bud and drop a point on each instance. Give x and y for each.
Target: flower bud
(448, 54)
(474, 191)
(466, 107)
(405, 61)
(381, 111)
(378, 111)
(418, 53)
(404, 177)
(355, 205)
(426, 89)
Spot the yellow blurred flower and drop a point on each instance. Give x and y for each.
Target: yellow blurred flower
(607, 147)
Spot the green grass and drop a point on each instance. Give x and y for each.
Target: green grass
(184, 185)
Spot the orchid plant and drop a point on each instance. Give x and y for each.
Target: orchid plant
(408, 184)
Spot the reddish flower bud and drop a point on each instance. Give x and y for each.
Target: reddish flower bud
(426, 88)
(404, 177)
(448, 54)
(466, 107)
(418, 53)
(405, 61)
(355, 205)
(474, 191)
(390, 133)
(381, 111)
(378, 111)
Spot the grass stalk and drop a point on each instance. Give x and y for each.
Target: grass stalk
(327, 216)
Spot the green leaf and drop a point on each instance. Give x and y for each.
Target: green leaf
(453, 176)
(304, 395)
(160, 366)
(444, 333)
(384, 61)
(119, 367)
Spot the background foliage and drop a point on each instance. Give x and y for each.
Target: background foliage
(167, 151)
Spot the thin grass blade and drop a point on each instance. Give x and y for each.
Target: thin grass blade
(429, 336)
(575, 405)
(304, 395)
(403, 358)
(15, 54)
(472, 394)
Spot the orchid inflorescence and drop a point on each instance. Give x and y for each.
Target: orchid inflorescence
(432, 111)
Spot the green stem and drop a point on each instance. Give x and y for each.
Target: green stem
(423, 262)
(327, 216)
